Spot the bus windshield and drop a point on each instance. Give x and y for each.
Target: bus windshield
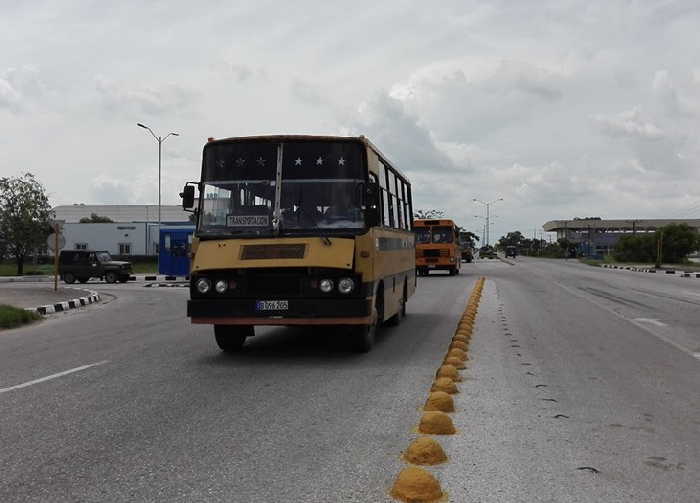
(322, 187)
(422, 235)
(443, 234)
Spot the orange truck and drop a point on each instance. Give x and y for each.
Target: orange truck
(437, 246)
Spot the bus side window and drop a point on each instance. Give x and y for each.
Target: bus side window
(391, 182)
(402, 204)
(399, 202)
(385, 196)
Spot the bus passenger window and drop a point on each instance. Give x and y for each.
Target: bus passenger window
(386, 219)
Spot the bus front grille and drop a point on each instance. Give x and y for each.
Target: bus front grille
(436, 253)
(274, 285)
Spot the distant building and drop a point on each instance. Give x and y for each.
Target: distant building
(597, 237)
(134, 231)
(172, 214)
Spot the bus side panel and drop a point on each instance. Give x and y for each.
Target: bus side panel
(394, 265)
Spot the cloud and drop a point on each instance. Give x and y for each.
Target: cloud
(20, 88)
(154, 100)
(306, 93)
(407, 143)
(467, 101)
(628, 124)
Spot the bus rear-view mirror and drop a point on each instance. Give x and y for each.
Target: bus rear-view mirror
(187, 196)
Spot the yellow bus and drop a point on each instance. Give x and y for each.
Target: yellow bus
(299, 230)
(437, 246)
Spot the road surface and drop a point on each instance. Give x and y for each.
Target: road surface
(583, 385)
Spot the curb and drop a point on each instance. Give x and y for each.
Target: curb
(681, 274)
(66, 304)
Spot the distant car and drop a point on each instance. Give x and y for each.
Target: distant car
(82, 265)
(487, 252)
(511, 251)
(467, 255)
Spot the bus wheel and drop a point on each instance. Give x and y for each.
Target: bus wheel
(364, 336)
(453, 271)
(230, 338)
(69, 278)
(401, 313)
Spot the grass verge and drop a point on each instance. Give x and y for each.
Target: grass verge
(11, 316)
(10, 269)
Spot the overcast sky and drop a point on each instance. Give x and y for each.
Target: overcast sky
(563, 108)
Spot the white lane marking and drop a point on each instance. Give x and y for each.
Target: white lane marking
(653, 321)
(697, 355)
(631, 320)
(52, 376)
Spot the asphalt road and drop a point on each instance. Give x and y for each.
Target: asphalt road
(164, 416)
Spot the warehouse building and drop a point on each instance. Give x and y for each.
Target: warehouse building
(596, 237)
(134, 230)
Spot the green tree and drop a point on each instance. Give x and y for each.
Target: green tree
(635, 248)
(514, 238)
(677, 242)
(467, 238)
(24, 216)
(423, 214)
(94, 218)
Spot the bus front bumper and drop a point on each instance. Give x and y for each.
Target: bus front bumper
(299, 312)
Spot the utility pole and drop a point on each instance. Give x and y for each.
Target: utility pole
(488, 216)
(160, 140)
(659, 248)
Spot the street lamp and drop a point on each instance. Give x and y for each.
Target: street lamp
(488, 214)
(160, 140)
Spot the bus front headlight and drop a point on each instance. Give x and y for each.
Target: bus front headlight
(326, 285)
(346, 285)
(221, 286)
(203, 285)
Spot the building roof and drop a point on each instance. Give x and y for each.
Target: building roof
(621, 224)
(122, 213)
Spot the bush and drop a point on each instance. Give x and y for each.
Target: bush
(677, 242)
(11, 316)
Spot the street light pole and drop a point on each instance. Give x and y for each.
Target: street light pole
(488, 216)
(160, 140)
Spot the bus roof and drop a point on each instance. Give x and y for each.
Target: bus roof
(426, 222)
(282, 137)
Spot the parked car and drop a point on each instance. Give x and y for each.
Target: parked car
(85, 264)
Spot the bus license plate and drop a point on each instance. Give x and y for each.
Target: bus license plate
(272, 305)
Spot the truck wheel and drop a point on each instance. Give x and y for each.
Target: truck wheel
(111, 277)
(123, 279)
(83, 280)
(69, 277)
(230, 338)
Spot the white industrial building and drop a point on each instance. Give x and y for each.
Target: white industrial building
(134, 231)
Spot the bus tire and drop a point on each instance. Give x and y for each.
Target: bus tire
(364, 336)
(453, 271)
(69, 277)
(230, 338)
(401, 313)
